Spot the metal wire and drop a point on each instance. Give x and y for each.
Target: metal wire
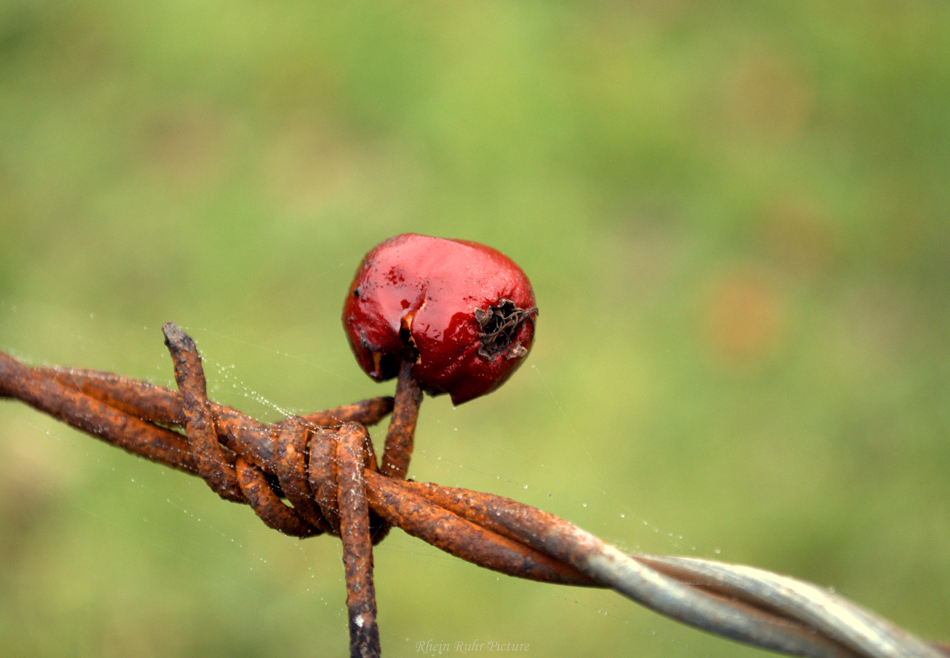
(828, 613)
(740, 603)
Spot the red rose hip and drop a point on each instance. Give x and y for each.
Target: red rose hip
(462, 313)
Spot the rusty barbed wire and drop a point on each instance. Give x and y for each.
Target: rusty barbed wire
(325, 466)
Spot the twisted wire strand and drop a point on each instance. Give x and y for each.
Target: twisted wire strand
(271, 462)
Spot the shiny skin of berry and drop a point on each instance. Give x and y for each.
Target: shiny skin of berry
(461, 312)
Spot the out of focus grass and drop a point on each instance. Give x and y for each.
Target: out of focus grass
(736, 218)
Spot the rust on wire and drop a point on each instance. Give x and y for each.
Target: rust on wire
(357, 545)
(402, 427)
(323, 464)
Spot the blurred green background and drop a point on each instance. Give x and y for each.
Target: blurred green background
(736, 218)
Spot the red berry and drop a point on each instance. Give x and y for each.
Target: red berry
(461, 312)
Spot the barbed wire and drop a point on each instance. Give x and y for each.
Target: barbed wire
(324, 465)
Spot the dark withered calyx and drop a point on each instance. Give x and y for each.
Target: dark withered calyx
(499, 326)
